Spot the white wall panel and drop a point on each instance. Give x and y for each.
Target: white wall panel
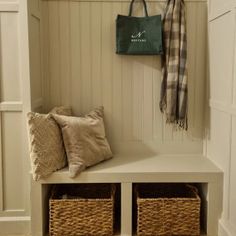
(9, 79)
(232, 199)
(12, 162)
(85, 72)
(221, 58)
(13, 107)
(219, 147)
(14, 104)
(222, 137)
(234, 74)
(35, 59)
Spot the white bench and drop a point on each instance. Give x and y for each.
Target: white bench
(129, 169)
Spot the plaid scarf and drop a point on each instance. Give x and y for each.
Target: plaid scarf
(174, 83)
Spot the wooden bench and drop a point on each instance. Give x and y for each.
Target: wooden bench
(128, 169)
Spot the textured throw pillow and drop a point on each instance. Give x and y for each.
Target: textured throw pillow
(47, 151)
(84, 139)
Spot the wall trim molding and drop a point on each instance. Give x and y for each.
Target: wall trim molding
(9, 7)
(11, 106)
(15, 225)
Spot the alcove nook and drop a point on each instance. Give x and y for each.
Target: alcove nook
(73, 62)
(62, 52)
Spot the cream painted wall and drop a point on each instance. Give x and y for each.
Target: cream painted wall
(81, 69)
(14, 103)
(221, 142)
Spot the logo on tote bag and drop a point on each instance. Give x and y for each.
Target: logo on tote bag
(137, 37)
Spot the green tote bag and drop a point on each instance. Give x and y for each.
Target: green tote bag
(139, 35)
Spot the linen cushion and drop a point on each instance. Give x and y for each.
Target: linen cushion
(47, 151)
(85, 140)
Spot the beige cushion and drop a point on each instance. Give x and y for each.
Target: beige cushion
(84, 139)
(47, 151)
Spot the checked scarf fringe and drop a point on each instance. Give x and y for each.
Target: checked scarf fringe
(174, 90)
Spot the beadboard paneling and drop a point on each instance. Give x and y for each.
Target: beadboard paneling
(81, 69)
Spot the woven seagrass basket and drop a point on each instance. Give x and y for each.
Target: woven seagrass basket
(84, 209)
(167, 209)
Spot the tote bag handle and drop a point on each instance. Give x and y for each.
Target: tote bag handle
(131, 7)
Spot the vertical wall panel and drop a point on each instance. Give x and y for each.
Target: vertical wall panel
(64, 35)
(127, 86)
(222, 138)
(199, 85)
(157, 116)
(75, 60)
(11, 167)
(35, 59)
(138, 96)
(12, 161)
(127, 98)
(232, 199)
(221, 58)
(117, 97)
(54, 52)
(1, 167)
(218, 147)
(234, 74)
(15, 102)
(45, 55)
(107, 62)
(96, 33)
(148, 99)
(10, 81)
(86, 90)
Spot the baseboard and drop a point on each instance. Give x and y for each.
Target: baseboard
(14, 225)
(225, 229)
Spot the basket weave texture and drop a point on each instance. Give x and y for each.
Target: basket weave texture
(167, 209)
(88, 211)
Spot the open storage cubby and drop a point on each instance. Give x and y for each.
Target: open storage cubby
(60, 200)
(178, 208)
